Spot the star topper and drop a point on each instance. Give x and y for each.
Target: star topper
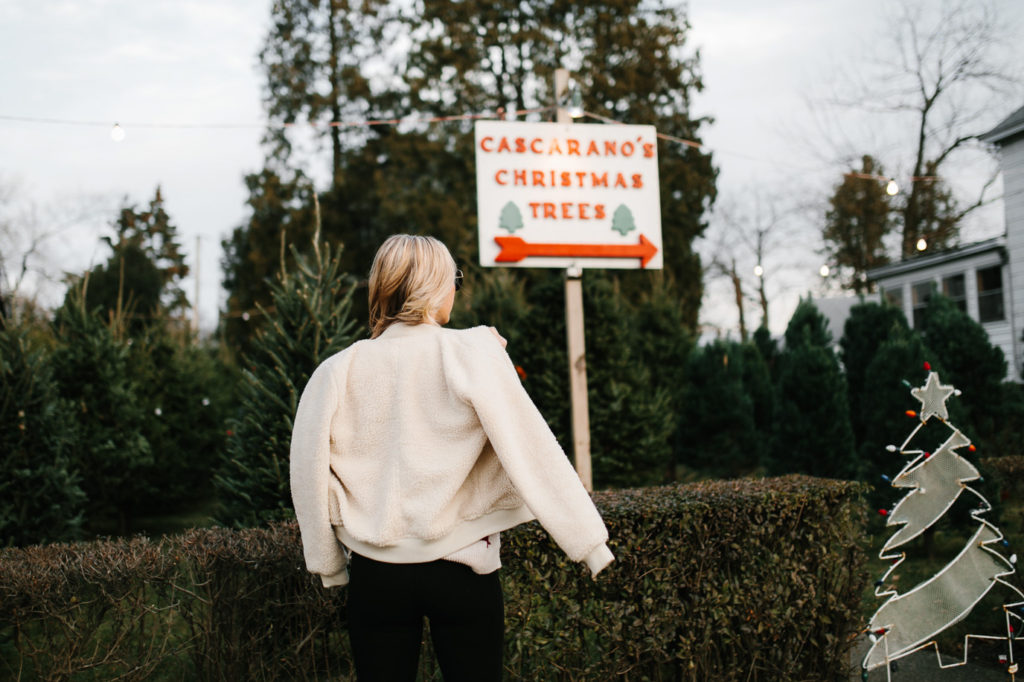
(933, 397)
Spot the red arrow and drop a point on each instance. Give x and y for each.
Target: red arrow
(514, 249)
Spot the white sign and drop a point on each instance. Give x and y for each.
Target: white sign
(554, 195)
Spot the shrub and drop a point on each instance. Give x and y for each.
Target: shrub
(727, 580)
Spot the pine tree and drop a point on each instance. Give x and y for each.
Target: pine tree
(310, 322)
(969, 361)
(663, 345)
(883, 397)
(719, 425)
(632, 419)
(91, 369)
(461, 58)
(757, 383)
(937, 475)
(144, 272)
(811, 433)
(767, 347)
(41, 499)
(180, 384)
(858, 219)
(280, 203)
(867, 328)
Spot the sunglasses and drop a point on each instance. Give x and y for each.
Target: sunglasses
(458, 280)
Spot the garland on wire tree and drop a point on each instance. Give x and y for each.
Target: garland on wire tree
(908, 622)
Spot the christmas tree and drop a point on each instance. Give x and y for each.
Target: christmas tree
(511, 219)
(41, 498)
(310, 321)
(622, 220)
(909, 621)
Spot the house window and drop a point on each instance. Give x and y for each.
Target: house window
(920, 294)
(990, 294)
(893, 296)
(954, 289)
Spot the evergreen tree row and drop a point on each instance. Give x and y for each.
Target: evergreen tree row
(100, 425)
(661, 409)
(110, 412)
(99, 428)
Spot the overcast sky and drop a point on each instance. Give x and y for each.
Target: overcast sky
(85, 64)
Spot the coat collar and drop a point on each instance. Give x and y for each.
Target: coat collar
(399, 330)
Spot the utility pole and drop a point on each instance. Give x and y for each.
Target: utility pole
(195, 299)
(574, 330)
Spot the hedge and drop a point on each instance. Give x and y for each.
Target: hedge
(727, 580)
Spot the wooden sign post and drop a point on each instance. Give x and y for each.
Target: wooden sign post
(574, 332)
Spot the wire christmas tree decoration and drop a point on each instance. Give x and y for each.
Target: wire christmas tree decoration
(908, 622)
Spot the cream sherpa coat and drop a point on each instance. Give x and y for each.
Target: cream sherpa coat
(413, 445)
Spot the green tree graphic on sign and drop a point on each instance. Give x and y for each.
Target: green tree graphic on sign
(622, 220)
(511, 219)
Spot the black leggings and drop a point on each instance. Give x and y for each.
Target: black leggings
(386, 607)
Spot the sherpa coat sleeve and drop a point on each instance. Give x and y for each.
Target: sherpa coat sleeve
(528, 450)
(310, 473)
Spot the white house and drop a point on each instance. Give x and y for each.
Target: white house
(986, 279)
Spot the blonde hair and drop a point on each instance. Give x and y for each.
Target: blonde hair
(409, 281)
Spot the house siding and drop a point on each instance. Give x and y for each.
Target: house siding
(1001, 332)
(1012, 166)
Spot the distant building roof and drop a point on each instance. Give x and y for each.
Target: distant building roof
(1013, 125)
(921, 262)
(836, 310)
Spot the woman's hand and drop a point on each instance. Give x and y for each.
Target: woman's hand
(501, 339)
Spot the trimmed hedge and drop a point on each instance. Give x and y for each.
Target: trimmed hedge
(727, 580)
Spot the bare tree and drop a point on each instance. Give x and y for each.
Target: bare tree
(938, 73)
(37, 243)
(752, 247)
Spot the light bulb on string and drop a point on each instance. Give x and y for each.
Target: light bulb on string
(576, 103)
(758, 270)
(891, 188)
(117, 133)
(824, 270)
(922, 244)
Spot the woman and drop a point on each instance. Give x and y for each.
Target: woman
(411, 452)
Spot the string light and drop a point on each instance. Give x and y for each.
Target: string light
(117, 133)
(272, 124)
(922, 244)
(892, 188)
(576, 103)
(823, 271)
(758, 270)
